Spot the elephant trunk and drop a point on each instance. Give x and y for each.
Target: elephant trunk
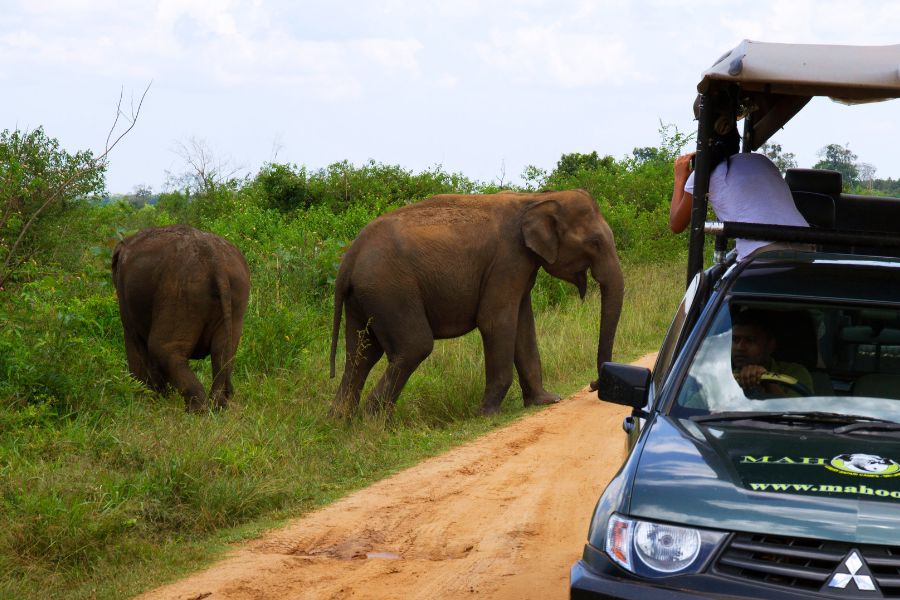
(608, 273)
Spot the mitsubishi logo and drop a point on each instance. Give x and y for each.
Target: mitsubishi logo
(853, 573)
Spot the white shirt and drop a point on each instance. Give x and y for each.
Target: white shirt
(748, 188)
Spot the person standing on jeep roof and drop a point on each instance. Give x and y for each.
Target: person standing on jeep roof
(743, 187)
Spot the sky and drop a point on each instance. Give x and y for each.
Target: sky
(479, 87)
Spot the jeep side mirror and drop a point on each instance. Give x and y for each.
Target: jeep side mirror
(624, 384)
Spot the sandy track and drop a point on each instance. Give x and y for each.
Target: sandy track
(503, 517)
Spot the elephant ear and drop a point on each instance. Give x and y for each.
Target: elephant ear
(539, 228)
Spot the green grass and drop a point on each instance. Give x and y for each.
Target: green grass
(107, 490)
(120, 491)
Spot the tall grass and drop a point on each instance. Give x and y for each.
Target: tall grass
(129, 491)
(106, 489)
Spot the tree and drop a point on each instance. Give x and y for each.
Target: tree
(783, 160)
(839, 158)
(38, 178)
(570, 164)
(647, 154)
(205, 173)
(534, 177)
(673, 140)
(866, 174)
(283, 187)
(141, 195)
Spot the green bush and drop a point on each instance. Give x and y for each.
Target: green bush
(104, 485)
(38, 181)
(341, 185)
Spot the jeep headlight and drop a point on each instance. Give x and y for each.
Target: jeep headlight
(658, 549)
(664, 547)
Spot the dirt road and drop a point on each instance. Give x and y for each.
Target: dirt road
(503, 517)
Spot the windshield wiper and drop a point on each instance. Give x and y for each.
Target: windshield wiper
(794, 417)
(873, 425)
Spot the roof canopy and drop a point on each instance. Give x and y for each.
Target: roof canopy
(845, 73)
(779, 79)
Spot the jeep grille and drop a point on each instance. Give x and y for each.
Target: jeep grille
(804, 564)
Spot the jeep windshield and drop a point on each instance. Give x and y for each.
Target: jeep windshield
(836, 363)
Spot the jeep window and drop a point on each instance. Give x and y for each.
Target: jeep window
(835, 358)
(674, 335)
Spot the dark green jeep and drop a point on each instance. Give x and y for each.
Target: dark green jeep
(765, 444)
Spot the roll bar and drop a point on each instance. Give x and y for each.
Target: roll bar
(807, 235)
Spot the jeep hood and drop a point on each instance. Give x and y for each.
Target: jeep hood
(798, 481)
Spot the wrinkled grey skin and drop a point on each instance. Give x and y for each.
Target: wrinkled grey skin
(182, 295)
(453, 263)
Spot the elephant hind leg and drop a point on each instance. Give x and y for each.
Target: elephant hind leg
(141, 365)
(222, 359)
(173, 361)
(406, 355)
(157, 382)
(387, 390)
(363, 351)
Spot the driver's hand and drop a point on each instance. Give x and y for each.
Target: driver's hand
(748, 376)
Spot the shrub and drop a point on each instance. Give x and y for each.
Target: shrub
(38, 180)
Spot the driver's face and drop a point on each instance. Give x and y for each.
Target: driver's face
(750, 346)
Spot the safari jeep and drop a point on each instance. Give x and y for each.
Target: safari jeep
(791, 488)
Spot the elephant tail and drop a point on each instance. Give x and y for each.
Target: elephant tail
(341, 285)
(224, 288)
(116, 257)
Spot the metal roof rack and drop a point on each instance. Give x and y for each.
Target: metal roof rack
(803, 235)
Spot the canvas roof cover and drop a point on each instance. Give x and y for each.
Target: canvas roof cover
(781, 78)
(849, 74)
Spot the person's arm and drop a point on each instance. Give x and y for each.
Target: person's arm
(748, 376)
(680, 209)
(750, 379)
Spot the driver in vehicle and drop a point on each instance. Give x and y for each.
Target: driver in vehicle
(756, 371)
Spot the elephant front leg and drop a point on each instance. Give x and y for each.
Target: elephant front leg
(499, 347)
(528, 359)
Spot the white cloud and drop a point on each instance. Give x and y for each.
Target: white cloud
(238, 45)
(48, 9)
(447, 82)
(102, 55)
(807, 21)
(239, 72)
(203, 43)
(458, 8)
(550, 56)
(393, 55)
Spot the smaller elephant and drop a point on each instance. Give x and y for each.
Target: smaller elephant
(182, 294)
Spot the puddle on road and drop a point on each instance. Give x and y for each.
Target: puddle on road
(384, 555)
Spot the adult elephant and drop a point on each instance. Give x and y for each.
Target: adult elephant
(182, 295)
(452, 263)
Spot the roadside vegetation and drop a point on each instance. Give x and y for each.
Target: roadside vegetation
(106, 490)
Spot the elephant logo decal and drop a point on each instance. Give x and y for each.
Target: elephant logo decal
(865, 464)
